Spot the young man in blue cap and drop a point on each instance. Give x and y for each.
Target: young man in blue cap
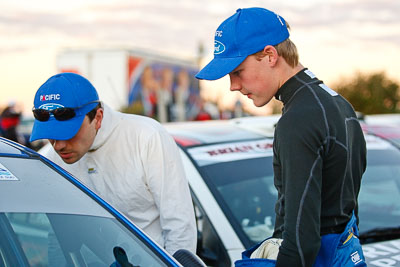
(319, 147)
(129, 160)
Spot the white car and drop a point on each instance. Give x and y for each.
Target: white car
(229, 167)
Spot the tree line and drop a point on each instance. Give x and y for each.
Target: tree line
(370, 93)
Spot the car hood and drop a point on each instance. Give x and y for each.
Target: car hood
(386, 253)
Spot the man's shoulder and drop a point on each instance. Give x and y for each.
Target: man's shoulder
(138, 125)
(135, 120)
(300, 113)
(300, 120)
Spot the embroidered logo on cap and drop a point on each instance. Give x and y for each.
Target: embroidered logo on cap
(50, 97)
(50, 106)
(218, 47)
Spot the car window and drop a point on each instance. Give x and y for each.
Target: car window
(70, 240)
(253, 208)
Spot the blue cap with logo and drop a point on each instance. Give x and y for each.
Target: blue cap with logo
(246, 32)
(64, 90)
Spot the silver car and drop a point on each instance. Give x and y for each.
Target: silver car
(48, 218)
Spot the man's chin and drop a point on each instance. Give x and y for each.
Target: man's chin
(260, 102)
(69, 160)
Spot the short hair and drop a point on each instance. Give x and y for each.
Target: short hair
(286, 49)
(92, 114)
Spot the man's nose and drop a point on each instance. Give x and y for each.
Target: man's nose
(58, 144)
(235, 85)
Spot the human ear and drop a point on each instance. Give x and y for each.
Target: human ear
(99, 118)
(271, 54)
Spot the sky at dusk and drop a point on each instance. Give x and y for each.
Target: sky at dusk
(335, 38)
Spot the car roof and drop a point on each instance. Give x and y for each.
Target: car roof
(392, 119)
(198, 133)
(194, 133)
(389, 132)
(9, 148)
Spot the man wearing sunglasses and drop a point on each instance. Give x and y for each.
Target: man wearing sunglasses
(128, 160)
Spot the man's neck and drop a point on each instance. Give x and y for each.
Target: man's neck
(288, 72)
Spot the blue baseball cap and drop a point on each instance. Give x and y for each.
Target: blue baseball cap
(64, 90)
(246, 32)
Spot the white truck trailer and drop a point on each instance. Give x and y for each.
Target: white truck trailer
(136, 81)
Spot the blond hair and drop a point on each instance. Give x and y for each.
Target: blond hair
(286, 49)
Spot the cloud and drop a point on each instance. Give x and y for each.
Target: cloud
(178, 26)
(334, 37)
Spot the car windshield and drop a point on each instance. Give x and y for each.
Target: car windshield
(244, 188)
(379, 205)
(247, 195)
(46, 220)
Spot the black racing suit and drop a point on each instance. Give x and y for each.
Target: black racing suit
(319, 159)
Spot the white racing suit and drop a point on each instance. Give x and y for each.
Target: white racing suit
(135, 165)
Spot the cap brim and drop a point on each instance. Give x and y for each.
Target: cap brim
(219, 67)
(56, 130)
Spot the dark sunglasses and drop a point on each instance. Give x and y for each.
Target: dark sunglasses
(60, 114)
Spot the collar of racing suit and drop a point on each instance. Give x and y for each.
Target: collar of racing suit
(295, 83)
(108, 124)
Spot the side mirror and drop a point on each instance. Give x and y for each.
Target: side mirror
(188, 259)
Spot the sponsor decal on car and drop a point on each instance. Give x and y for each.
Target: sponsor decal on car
(6, 175)
(207, 155)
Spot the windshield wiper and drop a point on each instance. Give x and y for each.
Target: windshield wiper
(379, 234)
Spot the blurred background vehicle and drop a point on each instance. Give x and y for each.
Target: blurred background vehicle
(391, 119)
(16, 126)
(48, 218)
(388, 132)
(229, 167)
(24, 130)
(386, 126)
(9, 120)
